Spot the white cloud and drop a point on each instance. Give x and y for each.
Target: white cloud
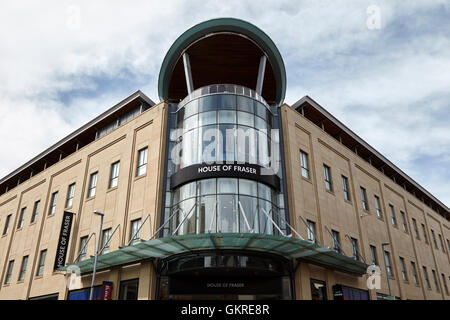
(372, 80)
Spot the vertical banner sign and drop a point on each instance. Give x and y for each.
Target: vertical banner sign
(63, 242)
(106, 290)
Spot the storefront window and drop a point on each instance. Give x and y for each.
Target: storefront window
(239, 205)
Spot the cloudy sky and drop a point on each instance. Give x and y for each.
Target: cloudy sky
(381, 67)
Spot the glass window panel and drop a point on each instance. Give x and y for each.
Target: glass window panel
(227, 185)
(261, 124)
(208, 142)
(191, 108)
(263, 149)
(206, 118)
(190, 123)
(227, 212)
(189, 224)
(248, 187)
(226, 116)
(245, 104)
(265, 211)
(206, 213)
(246, 145)
(226, 143)
(264, 191)
(226, 101)
(188, 190)
(261, 110)
(207, 186)
(249, 207)
(245, 118)
(207, 103)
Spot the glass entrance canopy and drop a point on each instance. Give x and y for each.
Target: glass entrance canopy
(162, 248)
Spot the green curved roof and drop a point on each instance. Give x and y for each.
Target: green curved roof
(223, 25)
(161, 248)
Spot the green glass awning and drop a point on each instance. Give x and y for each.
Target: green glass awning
(287, 247)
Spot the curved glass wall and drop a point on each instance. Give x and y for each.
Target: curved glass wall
(223, 123)
(225, 205)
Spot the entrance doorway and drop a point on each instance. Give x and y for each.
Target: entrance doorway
(230, 276)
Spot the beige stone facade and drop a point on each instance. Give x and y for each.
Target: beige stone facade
(134, 197)
(309, 198)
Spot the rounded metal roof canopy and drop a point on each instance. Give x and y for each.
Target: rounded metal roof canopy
(224, 50)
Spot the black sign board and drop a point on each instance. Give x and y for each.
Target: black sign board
(224, 285)
(63, 241)
(227, 170)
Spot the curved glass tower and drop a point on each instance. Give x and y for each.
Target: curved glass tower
(224, 80)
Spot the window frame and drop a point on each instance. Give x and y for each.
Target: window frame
(114, 180)
(311, 235)
(41, 264)
(404, 221)
(403, 269)
(106, 249)
(21, 218)
(141, 166)
(327, 178)
(304, 165)
(23, 268)
(53, 200)
(7, 224)
(92, 189)
(9, 272)
(365, 204)
(373, 254)
(70, 195)
(345, 188)
(132, 231)
(35, 212)
(393, 216)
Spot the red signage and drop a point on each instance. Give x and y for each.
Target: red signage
(106, 290)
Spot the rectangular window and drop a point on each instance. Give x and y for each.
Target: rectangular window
(34, 215)
(92, 184)
(21, 218)
(128, 289)
(114, 174)
(403, 216)
(444, 282)
(6, 227)
(40, 270)
(106, 234)
(435, 279)
(416, 231)
(393, 219)
(9, 272)
(354, 248)
(387, 261)
(23, 268)
(448, 244)
(311, 231)
(318, 290)
(414, 272)
(327, 175)
(442, 243)
(336, 243)
(142, 162)
(373, 254)
(305, 164)
(434, 239)
(83, 248)
(345, 188)
(135, 225)
(70, 194)
(365, 205)
(378, 207)
(425, 275)
(52, 208)
(425, 237)
(403, 269)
